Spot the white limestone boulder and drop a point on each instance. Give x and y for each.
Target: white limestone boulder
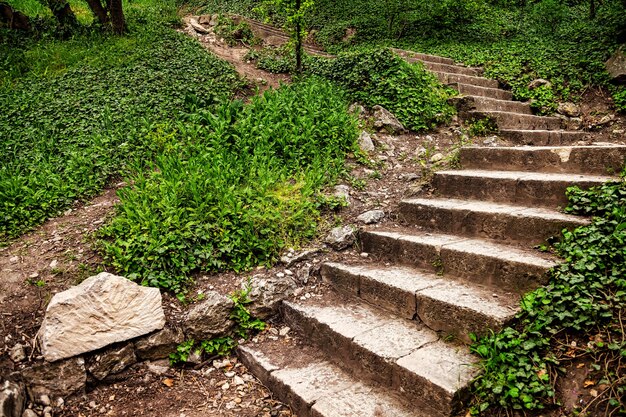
(102, 310)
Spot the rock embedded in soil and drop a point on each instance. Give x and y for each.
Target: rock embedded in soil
(366, 143)
(17, 353)
(371, 217)
(210, 317)
(266, 294)
(569, 109)
(12, 399)
(616, 66)
(112, 361)
(57, 379)
(539, 82)
(159, 345)
(102, 310)
(384, 120)
(340, 238)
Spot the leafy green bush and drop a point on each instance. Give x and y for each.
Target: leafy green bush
(619, 98)
(89, 107)
(586, 296)
(233, 33)
(235, 189)
(379, 77)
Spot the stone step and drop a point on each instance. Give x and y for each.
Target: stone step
(512, 187)
(445, 306)
(446, 68)
(595, 160)
(486, 220)
(448, 78)
(301, 377)
(470, 103)
(476, 260)
(474, 90)
(507, 120)
(541, 137)
(423, 57)
(376, 346)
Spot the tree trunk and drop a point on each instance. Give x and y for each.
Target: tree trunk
(98, 11)
(298, 40)
(62, 12)
(13, 18)
(117, 17)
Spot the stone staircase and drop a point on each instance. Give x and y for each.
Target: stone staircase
(391, 339)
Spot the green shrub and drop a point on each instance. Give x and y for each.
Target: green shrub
(379, 77)
(235, 188)
(586, 296)
(233, 33)
(619, 98)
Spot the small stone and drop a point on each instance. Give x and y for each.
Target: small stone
(280, 275)
(288, 272)
(47, 410)
(12, 399)
(340, 238)
(385, 120)
(93, 404)
(266, 294)
(159, 367)
(112, 361)
(29, 413)
(59, 378)
(17, 353)
(33, 275)
(284, 331)
(238, 380)
(539, 82)
(569, 109)
(44, 400)
(371, 217)
(54, 264)
(210, 317)
(217, 364)
(229, 374)
(342, 191)
(198, 27)
(409, 177)
(366, 143)
(159, 345)
(364, 254)
(491, 141)
(14, 259)
(437, 158)
(225, 386)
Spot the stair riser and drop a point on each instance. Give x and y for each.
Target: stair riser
(508, 228)
(447, 78)
(474, 90)
(450, 69)
(516, 121)
(471, 103)
(542, 138)
(592, 161)
(550, 194)
(409, 55)
(359, 361)
(442, 317)
(518, 277)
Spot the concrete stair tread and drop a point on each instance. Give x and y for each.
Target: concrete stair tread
(541, 148)
(497, 208)
(469, 102)
(528, 176)
(440, 303)
(487, 92)
(315, 387)
(385, 348)
(450, 78)
(423, 57)
(542, 136)
(479, 247)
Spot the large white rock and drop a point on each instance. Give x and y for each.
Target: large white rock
(102, 310)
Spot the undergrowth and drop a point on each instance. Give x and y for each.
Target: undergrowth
(76, 113)
(236, 187)
(584, 302)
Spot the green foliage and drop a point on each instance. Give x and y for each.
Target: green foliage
(586, 295)
(276, 61)
(233, 33)
(619, 98)
(481, 127)
(234, 188)
(81, 112)
(241, 315)
(379, 77)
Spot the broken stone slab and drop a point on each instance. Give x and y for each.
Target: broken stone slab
(340, 238)
(302, 256)
(539, 82)
(266, 294)
(159, 345)
(198, 27)
(342, 191)
(112, 361)
(616, 66)
(366, 143)
(56, 379)
(208, 19)
(210, 317)
(371, 217)
(103, 310)
(385, 120)
(12, 399)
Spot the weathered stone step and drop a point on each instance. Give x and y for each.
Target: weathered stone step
(476, 260)
(507, 120)
(446, 306)
(596, 159)
(541, 137)
(512, 187)
(474, 90)
(314, 387)
(451, 69)
(375, 345)
(481, 219)
(448, 78)
(423, 57)
(470, 103)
